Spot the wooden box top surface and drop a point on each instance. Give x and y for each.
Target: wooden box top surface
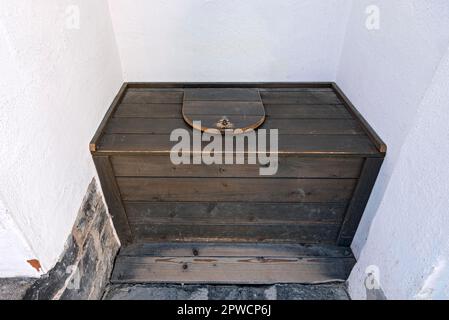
(312, 119)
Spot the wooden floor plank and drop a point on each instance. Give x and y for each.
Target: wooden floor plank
(237, 264)
(253, 250)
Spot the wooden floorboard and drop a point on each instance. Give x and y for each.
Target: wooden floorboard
(237, 264)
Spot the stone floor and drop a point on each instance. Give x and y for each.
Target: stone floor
(222, 292)
(14, 289)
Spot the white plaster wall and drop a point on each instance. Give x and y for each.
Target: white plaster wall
(232, 40)
(56, 84)
(386, 73)
(389, 74)
(14, 250)
(409, 238)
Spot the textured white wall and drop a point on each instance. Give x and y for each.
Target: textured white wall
(55, 87)
(14, 249)
(213, 40)
(409, 237)
(386, 73)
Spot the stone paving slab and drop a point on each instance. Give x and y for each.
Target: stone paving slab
(215, 292)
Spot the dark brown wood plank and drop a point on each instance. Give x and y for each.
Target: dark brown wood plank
(153, 110)
(359, 200)
(313, 126)
(301, 97)
(225, 270)
(225, 94)
(241, 108)
(153, 97)
(100, 131)
(253, 250)
(285, 126)
(144, 125)
(301, 111)
(288, 144)
(380, 144)
(113, 198)
(233, 213)
(236, 190)
(289, 167)
(225, 85)
(276, 233)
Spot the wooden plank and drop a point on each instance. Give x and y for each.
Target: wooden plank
(289, 167)
(288, 144)
(252, 250)
(153, 110)
(241, 108)
(233, 213)
(240, 270)
(225, 94)
(285, 126)
(145, 125)
(380, 144)
(292, 111)
(359, 200)
(313, 126)
(113, 199)
(301, 97)
(236, 190)
(277, 90)
(153, 97)
(100, 131)
(301, 111)
(227, 85)
(275, 233)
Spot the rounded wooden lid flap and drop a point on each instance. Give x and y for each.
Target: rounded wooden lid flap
(223, 109)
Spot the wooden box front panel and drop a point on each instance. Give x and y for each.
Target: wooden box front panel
(304, 202)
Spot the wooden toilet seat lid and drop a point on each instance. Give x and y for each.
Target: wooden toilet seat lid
(223, 109)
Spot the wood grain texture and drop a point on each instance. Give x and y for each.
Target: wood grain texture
(359, 145)
(378, 142)
(359, 200)
(153, 97)
(236, 190)
(317, 196)
(300, 97)
(150, 110)
(285, 126)
(303, 111)
(274, 233)
(225, 94)
(289, 166)
(254, 250)
(268, 267)
(113, 198)
(234, 213)
(217, 105)
(101, 129)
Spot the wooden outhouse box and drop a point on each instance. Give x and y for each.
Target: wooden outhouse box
(227, 223)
